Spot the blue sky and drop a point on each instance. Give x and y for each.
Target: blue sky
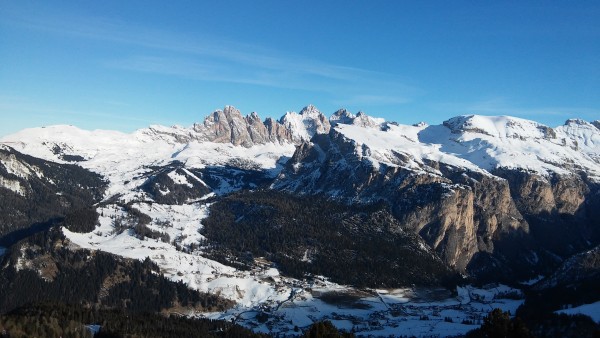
(128, 64)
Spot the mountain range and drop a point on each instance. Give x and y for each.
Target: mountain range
(245, 208)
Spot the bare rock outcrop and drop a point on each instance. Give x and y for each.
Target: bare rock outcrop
(476, 221)
(535, 194)
(457, 215)
(230, 126)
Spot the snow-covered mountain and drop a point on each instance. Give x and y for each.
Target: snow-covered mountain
(462, 185)
(484, 194)
(472, 142)
(33, 192)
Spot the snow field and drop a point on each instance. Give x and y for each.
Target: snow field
(591, 310)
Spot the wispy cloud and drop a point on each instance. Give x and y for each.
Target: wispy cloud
(373, 100)
(15, 106)
(215, 59)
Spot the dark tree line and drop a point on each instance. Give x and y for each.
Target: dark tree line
(93, 278)
(500, 324)
(325, 329)
(81, 220)
(70, 320)
(61, 189)
(539, 310)
(358, 245)
(165, 191)
(234, 176)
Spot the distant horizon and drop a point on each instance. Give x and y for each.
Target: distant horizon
(126, 65)
(263, 118)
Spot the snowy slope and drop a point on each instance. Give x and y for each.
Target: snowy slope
(124, 158)
(501, 141)
(591, 310)
(480, 143)
(476, 143)
(485, 143)
(198, 272)
(379, 146)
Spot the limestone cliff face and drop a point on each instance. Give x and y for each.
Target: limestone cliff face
(457, 215)
(447, 225)
(569, 194)
(276, 132)
(534, 194)
(216, 127)
(466, 216)
(257, 130)
(462, 217)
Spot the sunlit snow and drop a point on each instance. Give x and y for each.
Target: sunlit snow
(476, 143)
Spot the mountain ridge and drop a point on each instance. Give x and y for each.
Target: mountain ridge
(487, 142)
(495, 199)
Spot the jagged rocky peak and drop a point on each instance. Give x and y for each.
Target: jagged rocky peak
(257, 129)
(314, 121)
(342, 116)
(217, 126)
(581, 125)
(361, 119)
(304, 125)
(582, 136)
(365, 120)
(310, 110)
(577, 122)
(276, 131)
(230, 126)
(252, 117)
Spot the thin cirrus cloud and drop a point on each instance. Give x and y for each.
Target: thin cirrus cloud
(33, 108)
(374, 100)
(210, 70)
(207, 70)
(222, 60)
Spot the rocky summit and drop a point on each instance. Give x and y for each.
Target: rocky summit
(229, 126)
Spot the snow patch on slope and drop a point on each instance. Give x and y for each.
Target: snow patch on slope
(13, 185)
(179, 179)
(191, 268)
(590, 310)
(16, 167)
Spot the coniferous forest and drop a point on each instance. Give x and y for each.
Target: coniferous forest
(356, 245)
